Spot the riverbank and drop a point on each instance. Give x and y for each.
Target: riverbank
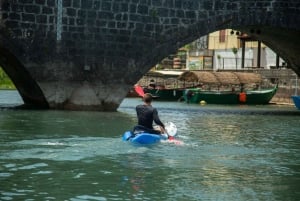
(7, 88)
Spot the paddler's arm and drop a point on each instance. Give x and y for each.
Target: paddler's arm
(158, 121)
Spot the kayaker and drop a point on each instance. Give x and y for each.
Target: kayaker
(146, 114)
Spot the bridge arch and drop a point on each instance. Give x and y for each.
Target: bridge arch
(29, 90)
(275, 29)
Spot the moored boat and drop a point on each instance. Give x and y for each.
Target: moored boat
(163, 85)
(226, 88)
(260, 96)
(296, 100)
(166, 94)
(197, 95)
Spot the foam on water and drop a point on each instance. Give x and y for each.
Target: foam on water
(69, 149)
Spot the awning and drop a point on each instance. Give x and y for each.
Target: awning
(164, 73)
(206, 77)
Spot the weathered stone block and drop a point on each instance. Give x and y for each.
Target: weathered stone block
(106, 6)
(162, 12)
(28, 17)
(132, 8)
(142, 9)
(87, 4)
(32, 9)
(105, 15)
(71, 12)
(41, 19)
(51, 3)
(14, 16)
(26, 1)
(47, 10)
(67, 3)
(40, 2)
(157, 3)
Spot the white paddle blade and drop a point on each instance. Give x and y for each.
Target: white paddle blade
(171, 128)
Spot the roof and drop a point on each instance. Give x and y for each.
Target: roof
(164, 73)
(221, 77)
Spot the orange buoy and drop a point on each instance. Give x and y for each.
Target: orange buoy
(243, 97)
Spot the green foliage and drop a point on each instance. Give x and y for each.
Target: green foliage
(153, 13)
(5, 82)
(234, 50)
(188, 47)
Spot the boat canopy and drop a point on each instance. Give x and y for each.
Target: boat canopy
(164, 73)
(234, 78)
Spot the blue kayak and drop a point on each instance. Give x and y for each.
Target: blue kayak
(143, 138)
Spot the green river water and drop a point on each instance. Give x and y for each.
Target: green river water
(229, 153)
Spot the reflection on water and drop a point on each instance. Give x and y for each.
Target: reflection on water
(229, 153)
(10, 98)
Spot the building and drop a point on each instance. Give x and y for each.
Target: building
(223, 50)
(235, 50)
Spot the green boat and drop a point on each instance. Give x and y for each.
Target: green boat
(257, 97)
(226, 88)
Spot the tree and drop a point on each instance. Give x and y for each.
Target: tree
(5, 82)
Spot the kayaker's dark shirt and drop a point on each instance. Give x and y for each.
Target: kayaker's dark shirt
(146, 115)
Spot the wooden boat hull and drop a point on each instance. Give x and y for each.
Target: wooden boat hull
(296, 100)
(260, 97)
(210, 97)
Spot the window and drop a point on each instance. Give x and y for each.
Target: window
(222, 34)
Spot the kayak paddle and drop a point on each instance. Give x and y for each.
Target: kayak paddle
(171, 129)
(139, 90)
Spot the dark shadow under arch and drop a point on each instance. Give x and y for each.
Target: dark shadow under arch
(29, 90)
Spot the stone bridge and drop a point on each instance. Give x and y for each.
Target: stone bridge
(87, 54)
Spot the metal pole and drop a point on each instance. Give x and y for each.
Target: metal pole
(223, 64)
(258, 54)
(277, 61)
(243, 53)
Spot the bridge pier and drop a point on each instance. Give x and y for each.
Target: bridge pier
(83, 95)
